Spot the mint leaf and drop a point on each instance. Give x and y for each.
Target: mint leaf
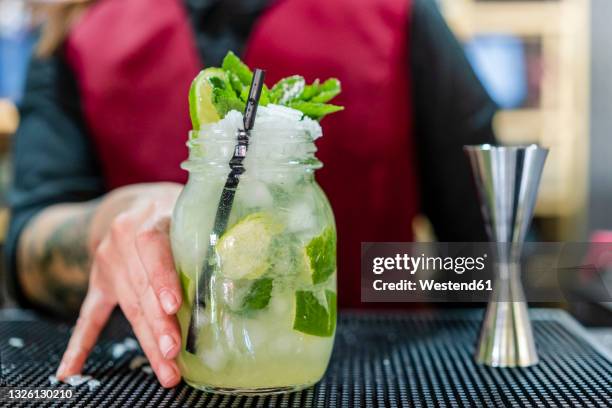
(321, 253)
(223, 96)
(291, 91)
(311, 317)
(287, 89)
(233, 64)
(259, 295)
(264, 98)
(310, 90)
(235, 82)
(315, 110)
(327, 91)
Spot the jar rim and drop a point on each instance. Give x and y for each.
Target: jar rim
(212, 148)
(219, 136)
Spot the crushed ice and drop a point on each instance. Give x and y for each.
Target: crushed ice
(93, 384)
(138, 362)
(130, 343)
(119, 349)
(273, 118)
(270, 118)
(16, 342)
(142, 363)
(76, 380)
(6, 369)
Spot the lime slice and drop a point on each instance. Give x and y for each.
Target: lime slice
(201, 107)
(187, 286)
(311, 317)
(243, 249)
(320, 254)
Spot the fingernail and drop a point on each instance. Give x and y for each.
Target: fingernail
(167, 374)
(166, 345)
(168, 301)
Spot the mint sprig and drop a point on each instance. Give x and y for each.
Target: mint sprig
(294, 92)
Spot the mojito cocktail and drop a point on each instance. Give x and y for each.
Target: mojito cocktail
(267, 318)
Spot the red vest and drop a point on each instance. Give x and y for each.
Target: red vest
(134, 63)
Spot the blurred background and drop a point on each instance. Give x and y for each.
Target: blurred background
(547, 64)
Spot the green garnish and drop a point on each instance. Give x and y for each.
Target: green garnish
(259, 295)
(231, 63)
(186, 286)
(310, 90)
(244, 248)
(287, 90)
(216, 91)
(311, 317)
(240, 77)
(315, 110)
(223, 96)
(201, 107)
(321, 256)
(326, 91)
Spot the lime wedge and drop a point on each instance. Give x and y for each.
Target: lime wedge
(320, 255)
(201, 107)
(311, 317)
(244, 248)
(187, 286)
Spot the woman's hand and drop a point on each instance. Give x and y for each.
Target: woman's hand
(133, 268)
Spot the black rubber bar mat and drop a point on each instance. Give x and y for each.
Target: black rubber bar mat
(382, 359)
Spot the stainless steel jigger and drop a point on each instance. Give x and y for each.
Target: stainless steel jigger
(507, 179)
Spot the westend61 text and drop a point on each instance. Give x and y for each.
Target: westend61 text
(432, 285)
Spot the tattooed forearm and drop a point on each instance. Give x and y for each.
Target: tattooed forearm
(54, 257)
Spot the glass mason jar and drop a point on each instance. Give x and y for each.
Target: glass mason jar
(265, 314)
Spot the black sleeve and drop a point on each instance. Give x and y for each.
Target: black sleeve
(53, 160)
(451, 109)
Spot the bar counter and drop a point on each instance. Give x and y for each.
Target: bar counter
(385, 359)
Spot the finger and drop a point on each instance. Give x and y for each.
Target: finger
(165, 327)
(123, 235)
(153, 245)
(166, 370)
(94, 314)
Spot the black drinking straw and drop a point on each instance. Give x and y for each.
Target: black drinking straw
(225, 204)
